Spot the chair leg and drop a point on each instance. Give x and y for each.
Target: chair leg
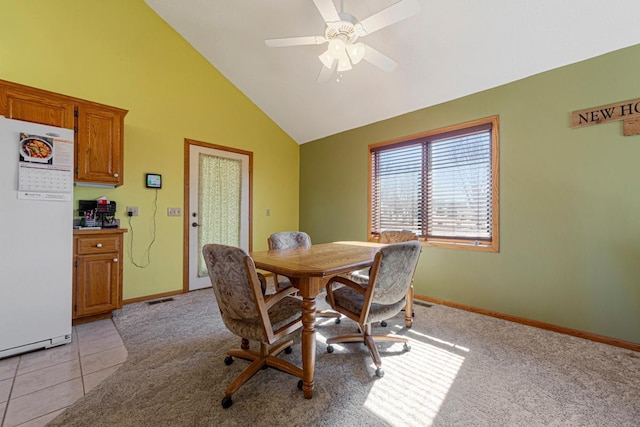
(408, 307)
(346, 338)
(244, 376)
(266, 357)
(370, 341)
(375, 355)
(329, 314)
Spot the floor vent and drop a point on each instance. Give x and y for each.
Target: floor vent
(158, 301)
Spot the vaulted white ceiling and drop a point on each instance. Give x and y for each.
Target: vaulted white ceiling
(451, 48)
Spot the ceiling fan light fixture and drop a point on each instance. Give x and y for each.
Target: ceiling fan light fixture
(343, 62)
(327, 59)
(337, 45)
(356, 52)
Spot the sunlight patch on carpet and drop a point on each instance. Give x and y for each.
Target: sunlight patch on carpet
(416, 383)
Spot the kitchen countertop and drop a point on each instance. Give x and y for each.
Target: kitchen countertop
(100, 231)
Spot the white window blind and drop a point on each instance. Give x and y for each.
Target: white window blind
(439, 186)
(459, 187)
(397, 192)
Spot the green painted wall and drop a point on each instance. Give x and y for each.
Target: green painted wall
(569, 200)
(120, 53)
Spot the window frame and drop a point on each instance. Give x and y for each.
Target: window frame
(492, 245)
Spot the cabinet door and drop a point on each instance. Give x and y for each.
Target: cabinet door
(99, 148)
(22, 104)
(97, 290)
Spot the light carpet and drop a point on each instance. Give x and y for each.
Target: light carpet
(464, 369)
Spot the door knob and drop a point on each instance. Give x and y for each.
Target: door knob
(195, 224)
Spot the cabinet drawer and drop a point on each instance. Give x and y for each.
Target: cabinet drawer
(97, 244)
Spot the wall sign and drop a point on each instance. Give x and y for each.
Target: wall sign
(628, 111)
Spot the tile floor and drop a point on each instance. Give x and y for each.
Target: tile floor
(36, 387)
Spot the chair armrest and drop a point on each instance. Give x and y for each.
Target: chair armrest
(271, 300)
(346, 282)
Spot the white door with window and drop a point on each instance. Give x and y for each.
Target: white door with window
(219, 205)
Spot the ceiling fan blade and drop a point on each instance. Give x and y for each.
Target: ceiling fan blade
(326, 73)
(295, 41)
(379, 59)
(328, 10)
(392, 14)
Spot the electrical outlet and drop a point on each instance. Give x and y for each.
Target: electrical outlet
(174, 212)
(132, 210)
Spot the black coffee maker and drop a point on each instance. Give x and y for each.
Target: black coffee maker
(97, 213)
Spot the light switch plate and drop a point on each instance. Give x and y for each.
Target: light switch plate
(174, 211)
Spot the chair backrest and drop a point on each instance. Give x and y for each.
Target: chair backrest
(229, 274)
(395, 236)
(396, 264)
(289, 240)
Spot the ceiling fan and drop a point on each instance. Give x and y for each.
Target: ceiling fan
(342, 33)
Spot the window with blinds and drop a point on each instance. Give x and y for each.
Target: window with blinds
(442, 185)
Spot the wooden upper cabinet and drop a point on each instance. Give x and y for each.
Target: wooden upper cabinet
(99, 129)
(100, 144)
(23, 103)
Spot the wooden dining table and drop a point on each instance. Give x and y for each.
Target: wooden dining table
(313, 267)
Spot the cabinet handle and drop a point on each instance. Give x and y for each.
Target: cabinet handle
(116, 175)
(115, 260)
(99, 245)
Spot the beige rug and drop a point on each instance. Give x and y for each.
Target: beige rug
(464, 369)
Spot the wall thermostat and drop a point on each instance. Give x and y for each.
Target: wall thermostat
(154, 180)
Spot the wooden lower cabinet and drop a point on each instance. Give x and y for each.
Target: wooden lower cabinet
(97, 279)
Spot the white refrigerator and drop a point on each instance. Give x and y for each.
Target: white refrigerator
(36, 236)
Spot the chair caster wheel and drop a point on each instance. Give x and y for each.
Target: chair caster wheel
(383, 324)
(300, 385)
(228, 360)
(329, 349)
(338, 321)
(379, 373)
(288, 350)
(407, 346)
(227, 402)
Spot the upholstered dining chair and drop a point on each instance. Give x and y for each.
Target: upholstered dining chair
(290, 240)
(381, 298)
(389, 236)
(287, 240)
(249, 314)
